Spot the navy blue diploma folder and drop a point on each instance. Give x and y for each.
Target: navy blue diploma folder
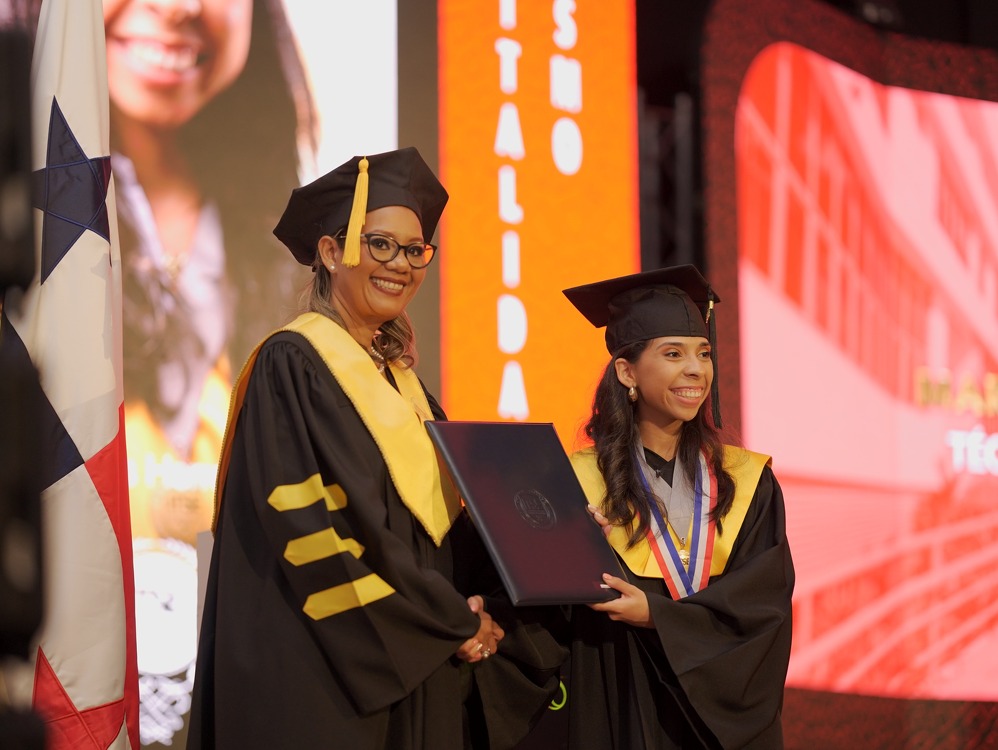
(529, 509)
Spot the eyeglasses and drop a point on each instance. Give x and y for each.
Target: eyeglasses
(385, 249)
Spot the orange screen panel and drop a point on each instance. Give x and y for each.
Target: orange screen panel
(538, 151)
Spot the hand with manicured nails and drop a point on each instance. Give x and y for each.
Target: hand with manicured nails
(631, 607)
(599, 518)
(486, 641)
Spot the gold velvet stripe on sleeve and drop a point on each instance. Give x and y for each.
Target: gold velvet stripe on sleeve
(304, 494)
(319, 546)
(347, 596)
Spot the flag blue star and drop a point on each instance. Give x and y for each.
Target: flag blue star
(71, 190)
(60, 454)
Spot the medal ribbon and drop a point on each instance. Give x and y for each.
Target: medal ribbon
(683, 581)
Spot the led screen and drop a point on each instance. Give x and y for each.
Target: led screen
(868, 303)
(849, 201)
(201, 180)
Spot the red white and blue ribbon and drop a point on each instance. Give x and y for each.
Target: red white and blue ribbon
(680, 579)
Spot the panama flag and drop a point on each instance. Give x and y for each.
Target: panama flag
(84, 679)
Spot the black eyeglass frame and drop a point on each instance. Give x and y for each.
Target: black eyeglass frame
(399, 247)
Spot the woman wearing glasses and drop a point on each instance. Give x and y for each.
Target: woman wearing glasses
(345, 599)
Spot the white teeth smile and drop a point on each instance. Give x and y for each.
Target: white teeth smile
(688, 392)
(173, 59)
(389, 286)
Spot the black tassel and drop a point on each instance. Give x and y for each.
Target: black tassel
(715, 397)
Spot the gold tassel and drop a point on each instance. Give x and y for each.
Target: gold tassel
(358, 214)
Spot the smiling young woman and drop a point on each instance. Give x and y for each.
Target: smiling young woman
(671, 379)
(698, 643)
(167, 59)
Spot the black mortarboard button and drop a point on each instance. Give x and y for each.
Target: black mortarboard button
(674, 301)
(345, 195)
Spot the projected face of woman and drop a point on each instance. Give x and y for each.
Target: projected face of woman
(167, 58)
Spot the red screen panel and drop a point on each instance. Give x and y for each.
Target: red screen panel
(849, 228)
(868, 253)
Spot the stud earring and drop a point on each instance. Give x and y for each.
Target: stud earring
(632, 394)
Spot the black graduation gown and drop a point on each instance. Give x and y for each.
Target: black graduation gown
(380, 674)
(711, 672)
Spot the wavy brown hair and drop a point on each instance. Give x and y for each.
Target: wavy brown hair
(612, 428)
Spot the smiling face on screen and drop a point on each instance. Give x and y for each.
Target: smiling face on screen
(166, 59)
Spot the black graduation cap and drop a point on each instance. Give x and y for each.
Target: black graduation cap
(343, 197)
(673, 301)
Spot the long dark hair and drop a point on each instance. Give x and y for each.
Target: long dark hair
(245, 149)
(612, 428)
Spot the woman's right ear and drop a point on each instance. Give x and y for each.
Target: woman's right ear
(625, 372)
(327, 249)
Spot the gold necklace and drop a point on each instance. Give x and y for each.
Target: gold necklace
(379, 359)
